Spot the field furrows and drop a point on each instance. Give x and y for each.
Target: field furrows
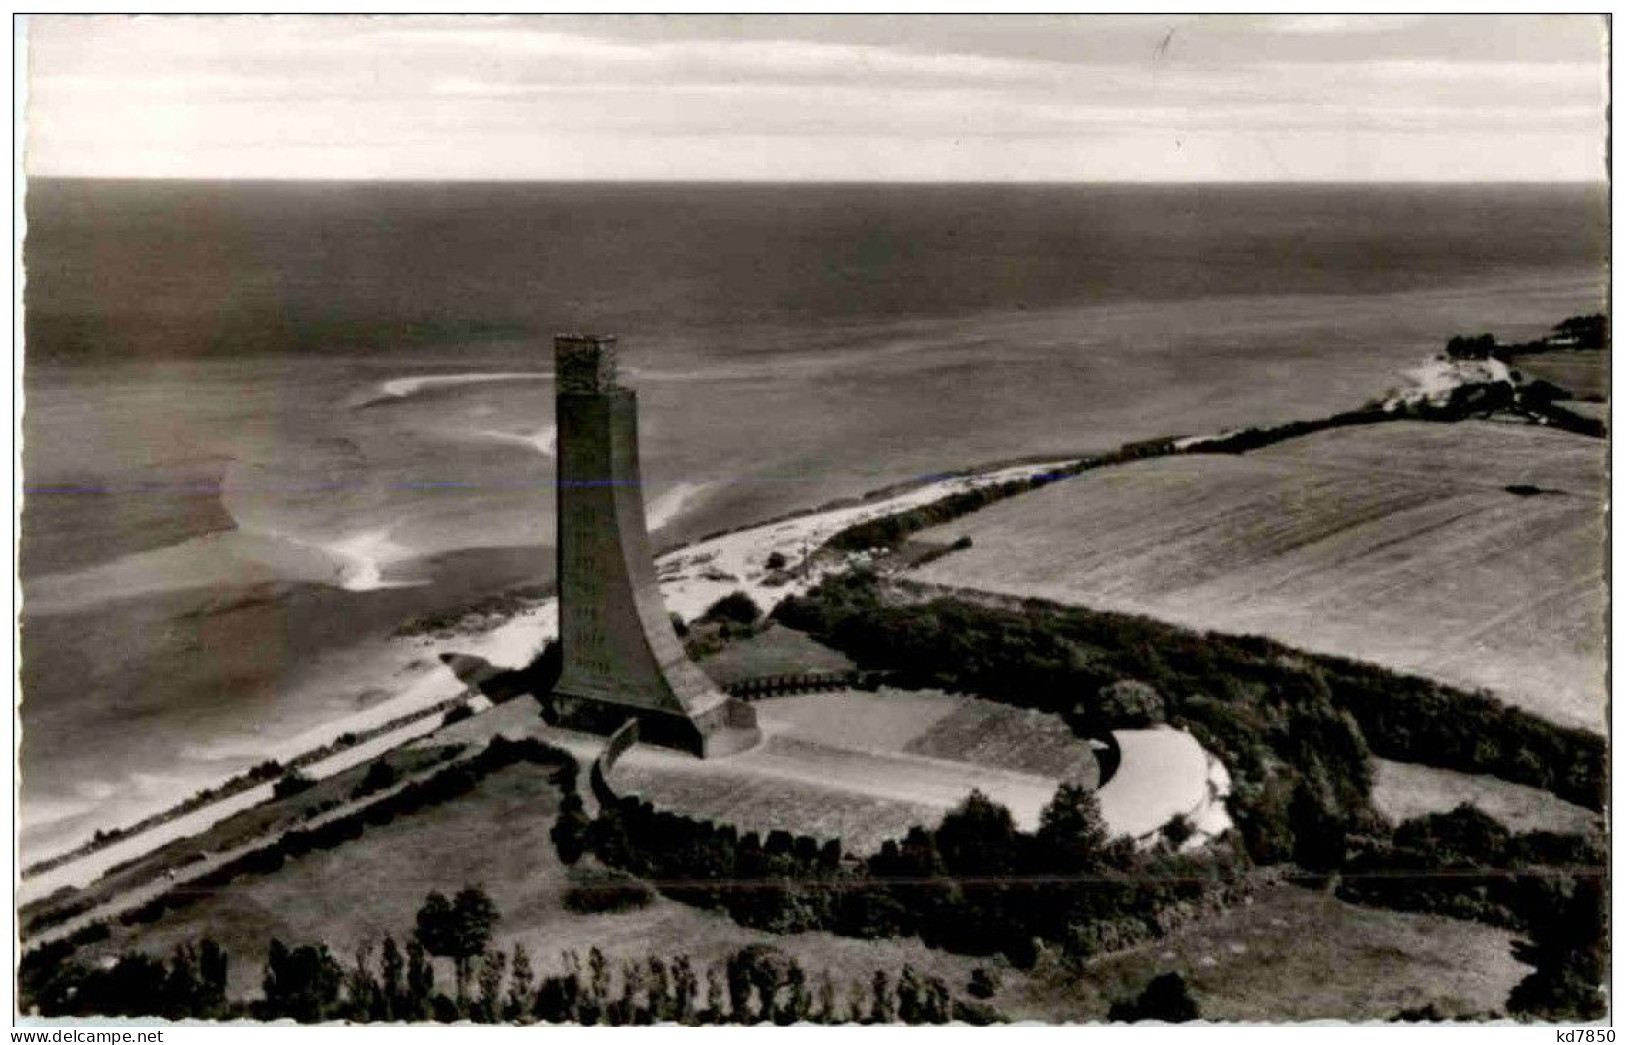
(1396, 543)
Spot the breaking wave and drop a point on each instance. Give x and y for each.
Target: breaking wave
(397, 388)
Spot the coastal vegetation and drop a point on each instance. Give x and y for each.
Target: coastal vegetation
(483, 615)
(265, 772)
(732, 617)
(1583, 333)
(1538, 401)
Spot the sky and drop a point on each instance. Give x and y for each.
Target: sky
(821, 98)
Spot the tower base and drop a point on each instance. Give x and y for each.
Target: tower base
(726, 729)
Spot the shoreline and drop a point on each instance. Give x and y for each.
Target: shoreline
(694, 575)
(508, 643)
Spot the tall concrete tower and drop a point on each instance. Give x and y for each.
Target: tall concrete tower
(622, 658)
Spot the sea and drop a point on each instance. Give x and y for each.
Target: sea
(266, 423)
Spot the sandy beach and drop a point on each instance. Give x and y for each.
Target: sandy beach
(692, 578)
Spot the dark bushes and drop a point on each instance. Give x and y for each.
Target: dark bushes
(974, 885)
(595, 889)
(1464, 864)
(734, 608)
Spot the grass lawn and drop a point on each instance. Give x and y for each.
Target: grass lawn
(264, 819)
(1403, 790)
(775, 651)
(1293, 955)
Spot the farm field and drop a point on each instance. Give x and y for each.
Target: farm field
(1583, 372)
(1396, 543)
(1293, 955)
(1403, 790)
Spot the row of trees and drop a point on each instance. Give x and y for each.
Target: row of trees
(1551, 887)
(1252, 696)
(1292, 729)
(190, 984)
(889, 531)
(1299, 764)
(389, 982)
(974, 884)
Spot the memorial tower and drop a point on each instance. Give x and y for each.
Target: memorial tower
(622, 658)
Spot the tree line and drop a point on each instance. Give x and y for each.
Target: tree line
(1588, 332)
(1296, 732)
(974, 884)
(1257, 699)
(889, 531)
(385, 981)
(1465, 864)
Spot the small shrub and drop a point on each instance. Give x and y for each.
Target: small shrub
(734, 608)
(595, 889)
(984, 983)
(1165, 998)
(1178, 831)
(976, 1013)
(380, 777)
(292, 784)
(1131, 704)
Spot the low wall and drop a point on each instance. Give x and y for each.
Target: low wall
(764, 686)
(619, 742)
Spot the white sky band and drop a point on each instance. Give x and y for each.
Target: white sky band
(1205, 98)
